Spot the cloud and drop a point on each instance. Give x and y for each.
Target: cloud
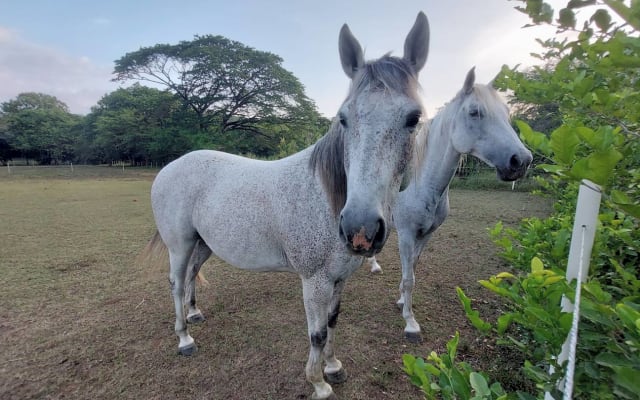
(29, 67)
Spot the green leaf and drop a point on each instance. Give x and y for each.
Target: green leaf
(602, 19)
(503, 322)
(627, 378)
(479, 384)
(535, 140)
(628, 315)
(567, 18)
(536, 264)
(611, 360)
(564, 141)
(580, 3)
(597, 167)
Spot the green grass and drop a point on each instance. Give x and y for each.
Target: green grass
(486, 179)
(21, 172)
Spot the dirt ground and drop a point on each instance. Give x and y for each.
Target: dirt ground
(79, 321)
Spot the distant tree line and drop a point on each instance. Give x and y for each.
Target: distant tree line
(210, 92)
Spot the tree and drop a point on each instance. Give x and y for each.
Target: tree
(229, 86)
(132, 124)
(40, 127)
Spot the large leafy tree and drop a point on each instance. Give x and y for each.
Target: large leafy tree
(135, 124)
(40, 127)
(229, 86)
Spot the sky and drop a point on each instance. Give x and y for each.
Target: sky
(67, 48)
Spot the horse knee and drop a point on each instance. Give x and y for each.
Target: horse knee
(408, 284)
(333, 316)
(319, 339)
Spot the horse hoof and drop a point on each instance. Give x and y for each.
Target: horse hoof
(188, 350)
(336, 377)
(332, 396)
(195, 318)
(413, 337)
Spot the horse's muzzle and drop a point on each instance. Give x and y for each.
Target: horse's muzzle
(516, 167)
(363, 236)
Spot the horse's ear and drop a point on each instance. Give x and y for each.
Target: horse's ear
(351, 55)
(416, 45)
(469, 81)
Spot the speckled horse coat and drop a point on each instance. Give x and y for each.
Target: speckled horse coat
(475, 122)
(315, 213)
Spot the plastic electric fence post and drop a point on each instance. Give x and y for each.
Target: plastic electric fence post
(584, 230)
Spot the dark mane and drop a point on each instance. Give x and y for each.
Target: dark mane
(327, 159)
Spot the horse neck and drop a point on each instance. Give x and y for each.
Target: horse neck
(441, 158)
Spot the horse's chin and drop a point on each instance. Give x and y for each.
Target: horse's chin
(510, 175)
(364, 253)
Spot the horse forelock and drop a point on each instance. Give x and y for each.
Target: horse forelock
(327, 160)
(387, 73)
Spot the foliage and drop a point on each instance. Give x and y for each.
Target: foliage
(219, 94)
(593, 84)
(440, 376)
(230, 86)
(590, 82)
(39, 127)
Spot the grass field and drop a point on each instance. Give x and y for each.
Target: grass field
(78, 320)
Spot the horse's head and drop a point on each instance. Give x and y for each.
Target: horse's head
(371, 142)
(482, 128)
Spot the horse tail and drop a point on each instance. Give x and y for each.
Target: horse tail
(156, 250)
(153, 252)
(201, 279)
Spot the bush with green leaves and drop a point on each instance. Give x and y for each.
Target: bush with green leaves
(441, 376)
(592, 80)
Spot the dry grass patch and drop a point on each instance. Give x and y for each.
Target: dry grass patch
(79, 320)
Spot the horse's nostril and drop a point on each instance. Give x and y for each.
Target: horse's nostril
(381, 234)
(341, 230)
(515, 162)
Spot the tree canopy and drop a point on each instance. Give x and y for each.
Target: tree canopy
(229, 86)
(38, 126)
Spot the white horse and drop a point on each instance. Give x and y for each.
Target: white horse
(475, 122)
(316, 213)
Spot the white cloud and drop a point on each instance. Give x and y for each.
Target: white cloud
(29, 67)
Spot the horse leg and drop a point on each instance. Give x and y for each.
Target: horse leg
(333, 370)
(409, 253)
(179, 258)
(375, 267)
(200, 254)
(317, 294)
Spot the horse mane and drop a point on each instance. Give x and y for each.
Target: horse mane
(327, 158)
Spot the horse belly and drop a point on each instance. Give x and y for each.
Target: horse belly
(246, 248)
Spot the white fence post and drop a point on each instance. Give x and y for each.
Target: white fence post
(582, 237)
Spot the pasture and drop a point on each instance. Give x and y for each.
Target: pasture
(79, 320)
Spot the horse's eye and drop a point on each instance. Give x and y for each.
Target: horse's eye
(476, 113)
(413, 119)
(343, 120)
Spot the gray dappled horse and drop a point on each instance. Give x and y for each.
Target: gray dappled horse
(475, 122)
(315, 213)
